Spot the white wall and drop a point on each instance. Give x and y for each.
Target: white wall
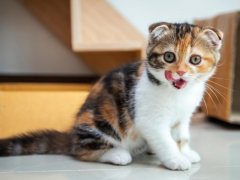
(27, 47)
(144, 12)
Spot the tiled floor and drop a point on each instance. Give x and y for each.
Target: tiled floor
(218, 147)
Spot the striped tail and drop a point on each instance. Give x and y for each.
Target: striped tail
(44, 142)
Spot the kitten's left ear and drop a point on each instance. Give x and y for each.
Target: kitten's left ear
(157, 31)
(213, 36)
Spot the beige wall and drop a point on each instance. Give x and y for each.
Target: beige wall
(144, 12)
(27, 47)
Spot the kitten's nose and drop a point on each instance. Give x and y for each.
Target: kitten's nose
(180, 73)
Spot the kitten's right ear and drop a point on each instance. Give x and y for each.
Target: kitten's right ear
(157, 30)
(213, 36)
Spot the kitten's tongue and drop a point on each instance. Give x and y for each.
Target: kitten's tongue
(168, 75)
(177, 83)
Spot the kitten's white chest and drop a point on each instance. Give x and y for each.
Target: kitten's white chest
(156, 103)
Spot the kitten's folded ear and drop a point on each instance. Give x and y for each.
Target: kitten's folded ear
(157, 30)
(213, 37)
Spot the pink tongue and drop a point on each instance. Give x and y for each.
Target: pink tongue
(179, 83)
(168, 75)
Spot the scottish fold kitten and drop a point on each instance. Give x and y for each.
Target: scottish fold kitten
(141, 106)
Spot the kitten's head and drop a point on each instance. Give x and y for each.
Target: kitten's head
(181, 54)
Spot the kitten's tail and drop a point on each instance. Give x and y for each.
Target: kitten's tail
(44, 142)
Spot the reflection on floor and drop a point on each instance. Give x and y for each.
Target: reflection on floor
(219, 148)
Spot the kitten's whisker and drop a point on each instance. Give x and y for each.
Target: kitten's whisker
(220, 85)
(216, 90)
(219, 78)
(205, 104)
(215, 75)
(212, 101)
(213, 93)
(219, 65)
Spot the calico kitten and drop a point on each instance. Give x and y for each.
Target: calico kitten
(144, 105)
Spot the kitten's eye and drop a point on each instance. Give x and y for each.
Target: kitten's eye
(195, 59)
(169, 57)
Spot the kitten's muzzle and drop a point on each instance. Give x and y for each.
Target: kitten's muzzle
(177, 83)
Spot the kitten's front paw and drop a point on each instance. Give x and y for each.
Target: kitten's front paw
(192, 156)
(177, 163)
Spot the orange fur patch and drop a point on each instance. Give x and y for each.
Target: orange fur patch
(182, 143)
(134, 135)
(88, 155)
(109, 112)
(87, 118)
(207, 64)
(129, 122)
(97, 88)
(182, 47)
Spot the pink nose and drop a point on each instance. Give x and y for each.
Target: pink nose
(180, 73)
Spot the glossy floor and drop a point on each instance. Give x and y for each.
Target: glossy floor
(219, 148)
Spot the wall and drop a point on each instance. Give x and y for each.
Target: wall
(27, 47)
(144, 12)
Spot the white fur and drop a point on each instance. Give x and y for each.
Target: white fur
(124, 150)
(158, 32)
(135, 145)
(211, 36)
(191, 155)
(158, 108)
(118, 156)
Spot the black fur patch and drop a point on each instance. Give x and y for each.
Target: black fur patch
(154, 62)
(94, 145)
(106, 128)
(43, 142)
(122, 94)
(182, 29)
(87, 138)
(4, 150)
(153, 79)
(86, 132)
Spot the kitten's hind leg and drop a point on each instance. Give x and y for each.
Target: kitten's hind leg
(116, 156)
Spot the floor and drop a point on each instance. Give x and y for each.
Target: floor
(219, 148)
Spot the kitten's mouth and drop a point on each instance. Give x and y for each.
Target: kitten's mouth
(177, 83)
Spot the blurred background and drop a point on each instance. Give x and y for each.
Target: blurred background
(52, 51)
(28, 47)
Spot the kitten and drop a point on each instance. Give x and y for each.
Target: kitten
(144, 105)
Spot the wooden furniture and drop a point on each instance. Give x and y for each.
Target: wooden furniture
(97, 34)
(31, 107)
(97, 26)
(92, 29)
(223, 95)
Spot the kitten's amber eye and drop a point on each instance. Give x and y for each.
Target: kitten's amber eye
(169, 57)
(195, 59)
